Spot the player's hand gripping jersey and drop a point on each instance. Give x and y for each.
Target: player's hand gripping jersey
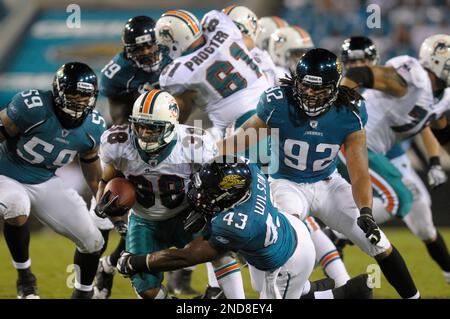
(308, 147)
(392, 119)
(43, 144)
(228, 80)
(160, 181)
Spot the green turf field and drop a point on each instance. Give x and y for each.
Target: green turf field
(52, 257)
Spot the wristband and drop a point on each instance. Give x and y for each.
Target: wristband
(434, 161)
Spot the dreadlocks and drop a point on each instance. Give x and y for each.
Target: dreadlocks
(347, 97)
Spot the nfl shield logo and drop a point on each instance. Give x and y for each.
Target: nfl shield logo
(64, 133)
(313, 123)
(153, 163)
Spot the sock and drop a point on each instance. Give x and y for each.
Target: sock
(328, 258)
(18, 240)
(86, 270)
(105, 234)
(397, 274)
(212, 280)
(230, 280)
(438, 251)
(114, 257)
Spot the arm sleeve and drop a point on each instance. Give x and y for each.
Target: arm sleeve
(357, 118)
(266, 110)
(227, 237)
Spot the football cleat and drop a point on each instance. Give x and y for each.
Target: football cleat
(27, 287)
(359, 287)
(104, 279)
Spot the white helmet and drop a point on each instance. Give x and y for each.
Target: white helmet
(266, 26)
(244, 18)
(286, 42)
(154, 110)
(435, 55)
(177, 30)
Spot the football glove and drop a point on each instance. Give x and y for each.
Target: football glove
(436, 174)
(107, 207)
(194, 222)
(368, 225)
(124, 266)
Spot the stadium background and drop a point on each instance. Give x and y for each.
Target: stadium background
(36, 41)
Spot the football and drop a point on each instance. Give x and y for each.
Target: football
(125, 189)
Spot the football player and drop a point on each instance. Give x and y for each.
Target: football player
(402, 98)
(312, 117)
(211, 68)
(45, 130)
(157, 155)
(246, 21)
(134, 70)
(232, 200)
(286, 46)
(131, 72)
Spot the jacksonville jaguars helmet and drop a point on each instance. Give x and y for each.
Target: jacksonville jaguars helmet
(316, 81)
(153, 120)
(75, 91)
(219, 185)
(140, 45)
(359, 48)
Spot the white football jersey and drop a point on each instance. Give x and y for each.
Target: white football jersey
(262, 57)
(392, 119)
(226, 77)
(160, 181)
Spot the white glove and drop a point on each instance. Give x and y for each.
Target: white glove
(436, 176)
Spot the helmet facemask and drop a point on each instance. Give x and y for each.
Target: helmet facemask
(147, 56)
(210, 200)
(73, 106)
(314, 98)
(151, 135)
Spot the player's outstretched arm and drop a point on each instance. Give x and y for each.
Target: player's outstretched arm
(382, 78)
(91, 168)
(358, 168)
(196, 252)
(7, 127)
(241, 140)
(436, 174)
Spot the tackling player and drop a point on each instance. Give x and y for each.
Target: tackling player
(157, 155)
(232, 201)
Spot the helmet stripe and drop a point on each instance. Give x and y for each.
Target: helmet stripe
(302, 33)
(186, 18)
(278, 21)
(228, 9)
(149, 101)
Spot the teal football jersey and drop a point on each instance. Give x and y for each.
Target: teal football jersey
(255, 228)
(307, 148)
(43, 144)
(120, 77)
